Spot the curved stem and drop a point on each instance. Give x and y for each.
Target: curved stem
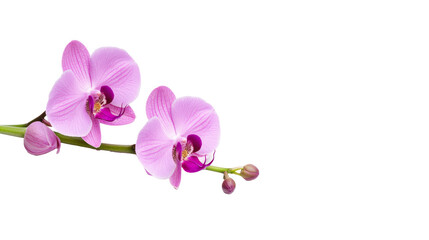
(223, 170)
(77, 141)
(13, 131)
(19, 131)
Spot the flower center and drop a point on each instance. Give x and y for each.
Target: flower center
(186, 148)
(97, 107)
(184, 154)
(95, 103)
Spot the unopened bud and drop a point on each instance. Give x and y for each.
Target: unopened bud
(228, 185)
(39, 139)
(249, 172)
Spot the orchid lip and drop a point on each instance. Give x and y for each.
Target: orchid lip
(106, 115)
(99, 98)
(184, 148)
(193, 164)
(97, 101)
(185, 152)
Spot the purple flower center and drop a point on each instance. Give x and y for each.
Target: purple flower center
(97, 102)
(185, 152)
(100, 101)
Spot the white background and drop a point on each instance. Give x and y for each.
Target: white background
(328, 98)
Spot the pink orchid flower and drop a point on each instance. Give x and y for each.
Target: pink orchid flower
(178, 134)
(92, 90)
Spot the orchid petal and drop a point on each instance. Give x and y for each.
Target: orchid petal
(177, 176)
(127, 116)
(66, 109)
(193, 115)
(196, 142)
(76, 59)
(154, 150)
(192, 164)
(94, 136)
(113, 67)
(159, 105)
(108, 93)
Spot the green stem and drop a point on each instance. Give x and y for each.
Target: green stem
(77, 141)
(222, 170)
(12, 131)
(19, 131)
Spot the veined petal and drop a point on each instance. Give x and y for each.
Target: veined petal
(159, 105)
(155, 150)
(193, 115)
(76, 59)
(66, 109)
(127, 117)
(94, 136)
(177, 176)
(113, 67)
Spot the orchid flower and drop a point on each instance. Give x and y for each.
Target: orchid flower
(179, 134)
(92, 90)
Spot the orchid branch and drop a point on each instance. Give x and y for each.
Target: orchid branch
(97, 89)
(19, 131)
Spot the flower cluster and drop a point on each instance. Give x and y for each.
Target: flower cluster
(181, 133)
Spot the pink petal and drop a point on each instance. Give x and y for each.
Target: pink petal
(76, 59)
(154, 150)
(39, 139)
(113, 67)
(66, 109)
(194, 116)
(176, 177)
(159, 105)
(127, 117)
(94, 136)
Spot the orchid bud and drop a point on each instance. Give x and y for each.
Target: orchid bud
(249, 172)
(39, 139)
(228, 185)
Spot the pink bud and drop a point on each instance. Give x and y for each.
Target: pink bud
(228, 185)
(249, 172)
(39, 139)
